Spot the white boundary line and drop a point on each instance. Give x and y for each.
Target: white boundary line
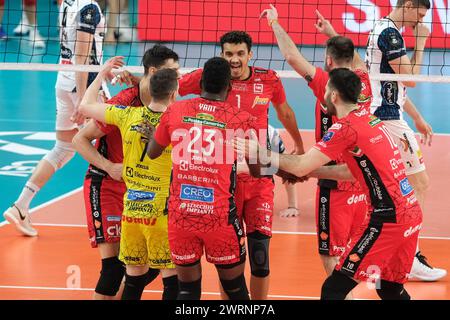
(85, 226)
(147, 291)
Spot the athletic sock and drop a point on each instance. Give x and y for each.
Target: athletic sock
(28, 193)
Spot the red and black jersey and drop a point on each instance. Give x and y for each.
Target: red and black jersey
(324, 121)
(374, 160)
(204, 162)
(252, 95)
(110, 145)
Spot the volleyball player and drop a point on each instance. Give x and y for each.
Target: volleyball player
(103, 186)
(383, 248)
(202, 208)
(144, 243)
(252, 90)
(82, 27)
(386, 53)
(340, 206)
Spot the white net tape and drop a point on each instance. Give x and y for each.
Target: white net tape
(139, 70)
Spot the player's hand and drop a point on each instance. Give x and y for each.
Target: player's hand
(426, 131)
(324, 26)
(115, 171)
(125, 77)
(77, 117)
(110, 65)
(421, 31)
(250, 148)
(290, 212)
(146, 129)
(271, 14)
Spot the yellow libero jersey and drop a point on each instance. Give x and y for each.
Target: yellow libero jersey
(147, 180)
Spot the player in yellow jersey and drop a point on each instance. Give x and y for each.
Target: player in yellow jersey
(144, 241)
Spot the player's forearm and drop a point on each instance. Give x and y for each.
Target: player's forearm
(358, 62)
(290, 162)
(91, 94)
(292, 54)
(81, 79)
(416, 61)
(85, 148)
(337, 172)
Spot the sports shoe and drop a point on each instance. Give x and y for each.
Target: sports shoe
(2, 33)
(422, 271)
(21, 219)
(36, 39)
(23, 28)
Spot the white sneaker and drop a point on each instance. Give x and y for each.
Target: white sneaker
(21, 219)
(35, 37)
(422, 271)
(23, 28)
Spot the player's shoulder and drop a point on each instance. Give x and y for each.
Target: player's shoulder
(264, 74)
(194, 73)
(128, 96)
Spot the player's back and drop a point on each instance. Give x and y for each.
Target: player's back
(204, 163)
(140, 173)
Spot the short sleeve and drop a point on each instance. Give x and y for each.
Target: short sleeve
(190, 83)
(116, 114)
(390, 43)
(318, 84)
(279, 95)
(339, 138)
(162, 134)
(88, 18)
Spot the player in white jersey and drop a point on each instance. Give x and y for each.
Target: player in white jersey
(82, 27)
(386, 53)
(277, 145)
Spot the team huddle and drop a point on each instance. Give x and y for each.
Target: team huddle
(170, 180)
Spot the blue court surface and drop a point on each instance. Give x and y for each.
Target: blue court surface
(27, 101)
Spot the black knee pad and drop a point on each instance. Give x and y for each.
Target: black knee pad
(189, 290)
(111, 277)
(170, 288)
(337, 286)
(134, 285)
(258, 251)
(236, 289)
(392, 291)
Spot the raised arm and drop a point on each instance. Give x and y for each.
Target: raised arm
(287, 47)
(90, 107)
(326, 28)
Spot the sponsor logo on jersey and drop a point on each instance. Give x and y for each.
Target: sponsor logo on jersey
(412, 230)
(113, 218)
(361, 113)
(336, 126)
(395, 163)
(373, 120)
(205, 122)
(376, 139)
(354, 258)
(323, 236)
(258, 88)
(136, 195)
(239, 87)
(260, 101)
(119, 106)
(184, 257)
(356, 198)
(261, 71)
(186, 166)
(328, 136)
(195, 193)
(140, 220)
(357, 152)
(405, 187)
(114, 230)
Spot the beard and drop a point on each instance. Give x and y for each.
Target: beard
(331, 108)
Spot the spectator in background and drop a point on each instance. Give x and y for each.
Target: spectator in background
(118, 21)
(28, 25)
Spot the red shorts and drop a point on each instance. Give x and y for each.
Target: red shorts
(339, 215)
(382, 250)
(103, 199)
(225, 245)
(254, 202)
